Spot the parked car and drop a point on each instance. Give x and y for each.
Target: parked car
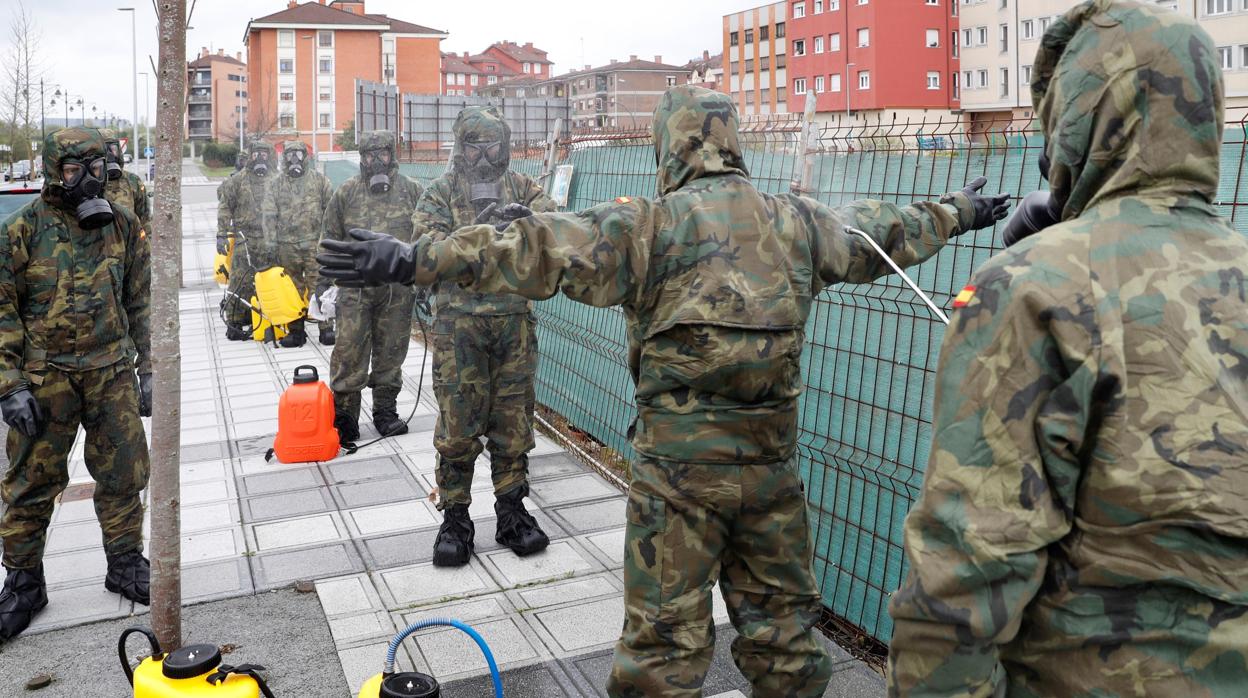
(21, 171)
(14, 198)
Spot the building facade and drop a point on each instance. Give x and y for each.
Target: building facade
(621, 94)
(503, 61)
(755, 59)
(999, 40)
(302, 64)
(707, 71)
(216, 92)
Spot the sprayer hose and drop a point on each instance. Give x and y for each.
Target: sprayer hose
(393, 649)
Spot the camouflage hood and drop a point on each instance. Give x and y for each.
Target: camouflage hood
(380, 140)
(481, 125)
(293, 146)
(1130, 99)
(68, 143)
(695, 135)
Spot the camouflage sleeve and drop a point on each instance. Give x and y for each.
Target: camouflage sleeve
(331, 223)
(326, 193)
(1015, 412)
(13, 256)
(433, 215)
(142, 205)
(536, 199)
(598, 256)
(137, 292)
(225, 206)
(269, 220)
(910, 234)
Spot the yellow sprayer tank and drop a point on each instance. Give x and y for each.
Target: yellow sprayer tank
(279, 298)
(189, 672)
(221, 263)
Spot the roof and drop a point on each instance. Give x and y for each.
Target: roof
(521, 53)
(454, 63)
(206, 61)
(637, 65)
(522, 81)
(314, 13)
(398, 26)
(716, 61)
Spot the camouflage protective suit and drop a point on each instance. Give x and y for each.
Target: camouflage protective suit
(1083, 526)
(716, 281)
(240, 199)
(374, 324)
(128, 189)
(484, 345)
(74, 329)
(292, 211)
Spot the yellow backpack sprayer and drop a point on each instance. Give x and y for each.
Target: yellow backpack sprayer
(276, 303)
(194, 670)
(413, 684)
(221, 263)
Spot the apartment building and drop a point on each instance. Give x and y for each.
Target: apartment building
(467, 74)
(302, 63)
(755, 70)
(216, 91)
(707, 71)
(999, 40)
(874, 56)
(621, 94)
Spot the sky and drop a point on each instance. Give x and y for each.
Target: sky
(574, 32)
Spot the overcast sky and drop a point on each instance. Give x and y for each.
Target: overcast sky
(573, 35)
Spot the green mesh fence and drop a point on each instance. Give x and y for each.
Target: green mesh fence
(871, 349)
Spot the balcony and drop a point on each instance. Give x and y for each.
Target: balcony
(200, 132)
(205, 98)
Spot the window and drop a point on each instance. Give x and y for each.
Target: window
(1026, 75)
(818, 84)
(764, 63)
(862, 2)
(749, 36)
(325, 93)
(1005, 38)
(834, 5)
(387, 45)
(834, 42)
(325, 39)
(235, 78)
(818, 9)
(780, 60)
(325, 121)
(818, 44)
(1005, 82)
(1044, 24)
(933, 80)
(834, 83)
(528, 67)
(864, 37)
(953, 41)
(764, 32)
(286, 65)
(749, 97)
(932, 39)
(1226, 58)
(1218, 7)
(966, 37)
(933, 2)
(981, 36)
(286, 120)
(491, 80)
(749, 65)
(491, 67)
(799, 47)
(953, 7)
(799, 86)
(472, 80)
(286, 39)
(671, 80)
(1243, 56)
(326, 65)
(799, 11)
(286, 94)
(1029, 29)
(983, 78)
(864, 76)
(966, 82)
(780, 30)
(955, 85)
(1004, 4)
(733, 39)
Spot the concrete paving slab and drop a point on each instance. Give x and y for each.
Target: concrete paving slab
(424, 584)
(571, 489)
(73, 537)
(562, 559)
(361, 494)
(297, 532)
(287, 504)
(207, 517)
(76, 605)
(390, 518)
(451, 653)
(540, 681)
(282, 567)
(556, 593)
(473, 611)
(215, 580)
(194, 493)
(212, 545)
(75, 568)
(205, 451)
(339, 472)
(189, 472)
(582, 626)
(599, 515)
(283, 481)
(76, 511)
(608, 546)
(347, 595)
(361, 663)
(365, 626)
(552, 466)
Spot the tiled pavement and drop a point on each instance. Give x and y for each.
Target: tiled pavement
(362, 527)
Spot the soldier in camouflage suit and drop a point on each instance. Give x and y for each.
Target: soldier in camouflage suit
(484, 347)
(1083, 526)
(239, 202)
(74, 329)
(293, 208)
(716, 281)
(375, 324)
(124, 187)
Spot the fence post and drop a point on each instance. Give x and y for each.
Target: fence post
(548, 167)
(809, 144)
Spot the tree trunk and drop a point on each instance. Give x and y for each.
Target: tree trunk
(167, 359)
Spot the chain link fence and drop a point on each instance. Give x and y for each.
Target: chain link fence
(870, 356)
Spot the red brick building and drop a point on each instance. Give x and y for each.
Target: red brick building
(465, 74)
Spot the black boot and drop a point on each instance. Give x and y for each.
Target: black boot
(348, 428)
(388, 423)
(24, 595)
(517, 529)
(129, 574)
(296, 337)
(236, 333)
(454, 544)
(327, 335)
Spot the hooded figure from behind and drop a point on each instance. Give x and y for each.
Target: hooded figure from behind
(1083, 525)
(716, 281)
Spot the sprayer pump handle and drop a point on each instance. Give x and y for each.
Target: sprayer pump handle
(121, 649)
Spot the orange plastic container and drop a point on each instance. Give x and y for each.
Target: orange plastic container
(305, 420)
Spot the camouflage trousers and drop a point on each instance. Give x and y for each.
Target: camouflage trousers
(374, 328)
(745, 526)
(242, 283)
(299, 261)
(483, 368)
(106, 403)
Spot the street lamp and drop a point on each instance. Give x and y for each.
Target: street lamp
(134, 67)
(147, 119)
(316, 107)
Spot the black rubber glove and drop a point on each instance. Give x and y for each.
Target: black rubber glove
(1035, 213)
(512, 212)
(988, 209)
(223, 244)
(372, 259)
(22, 413)
(145, 394)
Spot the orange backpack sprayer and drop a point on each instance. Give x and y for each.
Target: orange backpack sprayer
(413, 684)
(305, 421)
(194, 670)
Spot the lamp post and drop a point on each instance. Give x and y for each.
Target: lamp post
(316, 107)
(147, 118)
(134, 75)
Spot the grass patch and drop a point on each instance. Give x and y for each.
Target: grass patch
(215, 171)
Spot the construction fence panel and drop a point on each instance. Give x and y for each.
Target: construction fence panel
(429, 120)
(376, 107)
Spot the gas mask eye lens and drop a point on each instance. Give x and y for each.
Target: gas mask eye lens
(97, 168)
(493, 151)
(71, 172)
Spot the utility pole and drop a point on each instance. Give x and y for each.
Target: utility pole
(134, 77)
(147, 120)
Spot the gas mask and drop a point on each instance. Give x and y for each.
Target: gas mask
(486, 162)
(112, 156)
(294, 161)
(375, 169)
(258, 162)
(83, 181)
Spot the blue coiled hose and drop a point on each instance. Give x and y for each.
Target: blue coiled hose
(393, 649)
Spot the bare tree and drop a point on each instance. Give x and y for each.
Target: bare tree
(262, 112)
(166, 352)
(21, 74)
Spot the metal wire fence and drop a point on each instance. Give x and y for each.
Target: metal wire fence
(870, 356)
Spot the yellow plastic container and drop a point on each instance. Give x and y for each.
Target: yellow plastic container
(184, 673)
(261, 329)
(410, 683)
(280, 300)
(221, 264)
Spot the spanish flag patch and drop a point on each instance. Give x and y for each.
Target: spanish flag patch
(964, 297)
(623, 200)
(142, 234)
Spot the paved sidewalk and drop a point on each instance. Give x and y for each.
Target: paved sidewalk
(362, 527)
